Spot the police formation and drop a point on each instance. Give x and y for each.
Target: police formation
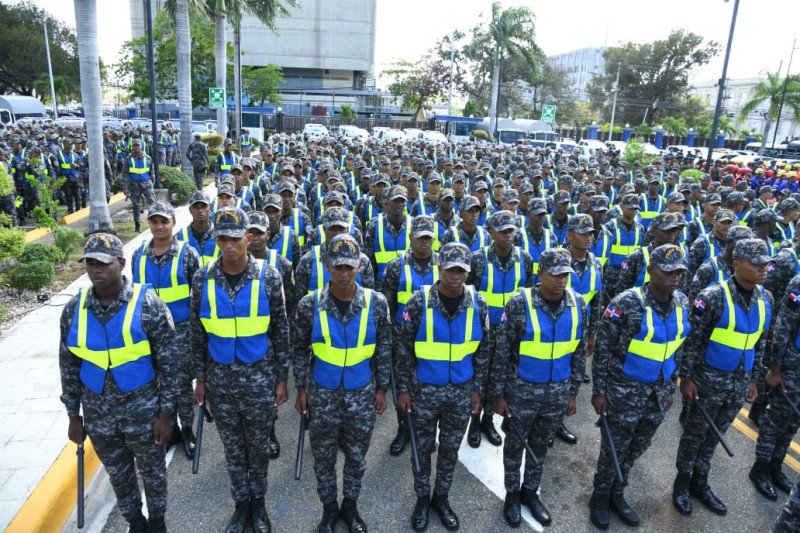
(469, 280)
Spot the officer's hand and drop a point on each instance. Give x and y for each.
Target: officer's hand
(404, 402)
(76, 431)
(281, 394)
(689, 390)
(752, 395)
(162, 430)
(590, 345)
(301, 403)
(501, 407)
(476, 403)
(380, 401)
(200, 392)
(669, 402)
(774, 377)
(572, 406)
(600, 404)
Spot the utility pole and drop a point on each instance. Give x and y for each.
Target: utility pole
(718, 108)
(53, 87)
(452, 60)
(614, 90)
(783, 93)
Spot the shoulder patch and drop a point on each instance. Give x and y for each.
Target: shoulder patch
(612, 312)
(406, 317)
(625, 265)
(793, 299)
(698, 306)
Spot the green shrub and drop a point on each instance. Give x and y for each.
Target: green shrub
(37, 251)
(179, 185)
(480, 134)
(693, 173)
(12, 243)
(68, 240)
(42, 218)
(6, 221)
(32, 276)
(3, 312)
(213, 140)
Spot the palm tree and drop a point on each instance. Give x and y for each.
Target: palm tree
(183, 45)
(768, 91)
(92, 101)
(512, 33)
(220, 59)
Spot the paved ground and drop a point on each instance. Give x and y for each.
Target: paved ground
(202, 502)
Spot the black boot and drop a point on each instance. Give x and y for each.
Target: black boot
(598, 510)
(273, 446)
(699, 489)
(137, 524)
(680, 494)
(239, 518)
(330, 515)
(762, 480)
(156, 524)
(259, 517)
(779, 479)
(530, 499)
(622, 509)
(400, 441)
(349, 513)
(189, 442)
(566, 435)
(441, 504)
(422, 510)
(474, 432)
(488, 429)
(512, 511)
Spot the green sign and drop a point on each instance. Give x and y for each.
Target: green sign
(548, 113)
(216, 97)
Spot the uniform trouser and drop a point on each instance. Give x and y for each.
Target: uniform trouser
(72, 195)
(487, 400)
(162, 156)
(610, 278)
(777, 427)
(537, 410)
(448, 407)
(30, 197)
(199, 173)
(698, 441)
(185, 399)
(632, 428)
(340, 418)
(244, 423)
(788, 520)
(7, 207)
(122, 433)
(141, 196)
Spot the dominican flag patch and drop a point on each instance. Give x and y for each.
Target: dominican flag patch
(612, 312)
(406, 317)
(794, 299)
(699, 305)
(625, 265)
(503, 318)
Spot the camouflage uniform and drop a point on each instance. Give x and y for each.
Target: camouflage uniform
(120, 424)
(197, 154)
(391, 229)
(302, 274)
(140, 193)
(783, 269)
(635, 262)
(700, 251)
(711, 270)
(788, 520)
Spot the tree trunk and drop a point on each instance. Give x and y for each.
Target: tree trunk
(237, 81)
(495, 93)
(765, 133)
(220, 64)
(183, 43)
(92, 101)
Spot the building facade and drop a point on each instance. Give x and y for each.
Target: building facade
(580, 66)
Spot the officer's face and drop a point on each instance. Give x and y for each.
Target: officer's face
(510, 206)
(226, 200)
(711, 209)
(454, 278)
(446, 204)
(333, 231)
(274, 216)
(721, 228)
(561, 208)
(161, 227)
(666, 236)
(553, 284)
(287, 199)
(470, 217)
(504, 239)
(104, 275)
(233, 248)
(423, 246)
(536, 220)
(434, 187)
(397, 206)
(581, 241)
(629, 213)
(747, 272)
(343, 275)
(258, 241)
(200, 212)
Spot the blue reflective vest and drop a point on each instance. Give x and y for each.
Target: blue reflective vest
(297, 222)
(650, 208)
(623, 242)
(169, 282)
(319, 274)
(410, 281)
(535, 250)
(208, 252)
(342, 352)
(735, 335)
(386, 246)
(546, 348)
(139, 169)
(482, 238)
(497, 287)
(284, 244)
(651, 352)
(588, 284)
(444, 349)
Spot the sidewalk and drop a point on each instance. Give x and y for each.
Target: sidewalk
(33, 422)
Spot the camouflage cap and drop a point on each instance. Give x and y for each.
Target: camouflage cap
(640, 182)
(161, 209)
(103, 247)
(230, 222)
(631, 201)
(447, 192)
(737, 233)
(454, 254)
(344, 250)
(334, 196)
(227, 179)
(199, 197)
(788, 204)
(237, 166)
(259, 221)
(537, 206)
(510, 196)
(480, 185)
(393, 192)
(736, 198)
(335, 216)
(423, 226)
(412, 176)
(468, 202)
(287, 169)
(227, 142)
(668, 258)
(713, 198)
(432, 177)
(499, 182)
(765, 216)
(598, 202)
(766, 188)
(525, 188)
(377, 179)
(582, 224)
(459, 177)
(561, 197)
(226, 189)
(675, 198)
(654, 179)
(754, 251)
(272, 200)
(285, 185)
(667, 221)
(725, 214)
(556, 261)
(501, 221)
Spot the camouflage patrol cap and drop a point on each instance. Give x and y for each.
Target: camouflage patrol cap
(393, 192)
(237, 166)
(725, 214)
(654, 179)
(582, 224)
(433, 177)
(447, 192)
(499, 182)
(754, 251)
(259, 221)
(335, 216)
(285, 185)
(668, 258)
(598, 202)
(454, 254)
(501, 221)
(199, 197)
(765, 216)
(675, 198)
(273, 200)
(525, 188)
(334, 196)
(480, 185)
(556, 261)
(230, 222)
(227, 179)
(377, 179)
(103, 247)
(161, 209)
(788, 204)
(737, 233)
(227, 142)
(766, 188)
(735, 198)
(344, 250)
(561, 197)
(564, 179)
(537, 206)
(667, 221)
(423, 226)
(468, 202)
(510, 196)
(412, 176)
(713, 198)
(640, 182)
(630, 201)
(287, 168)
(226, 189)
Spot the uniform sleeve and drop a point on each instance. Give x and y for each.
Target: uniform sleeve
(191, 263)
(705, 311)
(367, 273)
(296, 250)
(69, 365)
(405, 345)
(527, 262)
(787, 324)
(509, 334)
(161, 332)
(383, 350)
(302, 274)
(388, 286)
(475, 269)
(448, 235)
(198, 338)
(761, 346)
(278, 324)
(480, 361)
(287, 275)
(697, 254)
(612, 325)
(627, 274)
(578, 362)
(369, 244)
(302, 323)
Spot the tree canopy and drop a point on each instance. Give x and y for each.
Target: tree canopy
(260, 84)
(419, 84)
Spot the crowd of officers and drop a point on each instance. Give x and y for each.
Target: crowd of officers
(471, 281)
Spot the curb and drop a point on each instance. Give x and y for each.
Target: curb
(54, 497)
(38, 233)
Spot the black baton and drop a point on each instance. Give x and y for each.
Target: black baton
(614, 456)
(198, 439)
(301, 442)
(714, 427)
(80, 485)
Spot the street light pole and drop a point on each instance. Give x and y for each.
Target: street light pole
(783, 93)
(718, 108)
(50, 71)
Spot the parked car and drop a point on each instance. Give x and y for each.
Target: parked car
(433, 137)
(389, 135)
(353, 132)
(412, 134)
(314, 131)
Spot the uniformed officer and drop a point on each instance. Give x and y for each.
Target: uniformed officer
(168, 266)
(282, 238)
(429, 204)
(719, 268)
(539, 363)
(634, 374)
(559, 220)
(627, 235)
(240, 347)
(704, 224)
(467, 230)
(725, 345)
(226, 159)
(666, 229)
(343, 332)
(784, 268)
(711, 244)
(387, 234)
(785, 229)
(199, 233)
(443, 357)
(139, 186)
(68, 163)
(497, 272)
(197, 154)
(123, 326)
(535, 238)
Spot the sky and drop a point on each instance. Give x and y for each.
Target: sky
(407, 29)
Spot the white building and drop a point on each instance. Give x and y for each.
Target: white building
(581, 65)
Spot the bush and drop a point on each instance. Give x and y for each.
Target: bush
(32, 276)
(37, 251)
(213, 140)
(43, 219)
(12, 243)
(692, 173)
(6, 221)
(68, 240)
(179, 185)
(481, 134)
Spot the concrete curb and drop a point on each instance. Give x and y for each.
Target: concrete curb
(39, 233)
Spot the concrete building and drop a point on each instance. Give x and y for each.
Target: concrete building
(580, 66)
